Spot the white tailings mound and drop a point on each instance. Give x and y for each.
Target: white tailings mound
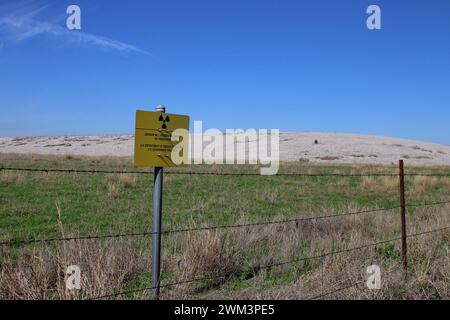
(294, 146)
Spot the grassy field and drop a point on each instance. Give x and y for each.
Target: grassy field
(250, 259)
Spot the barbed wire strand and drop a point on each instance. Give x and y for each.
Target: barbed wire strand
(427, 204)
(274, 265)
(252, 224)
(88, 237)
(147, 233)
(191, 172)
(351, 285)
(222, 173)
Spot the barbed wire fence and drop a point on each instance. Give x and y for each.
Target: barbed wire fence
(403, 205)
(218, 173)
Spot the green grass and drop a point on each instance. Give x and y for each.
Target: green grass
(29, 206)
(29, 202)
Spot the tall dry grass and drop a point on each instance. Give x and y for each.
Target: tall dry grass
(379, 184)
(421, 184)
(115, 183)
(11, 177)
(429, 271)
(251, 255)
(40, 272)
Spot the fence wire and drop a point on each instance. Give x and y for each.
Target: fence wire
(277, 264)
(47, 170)
(18, 242)
(349, 286)
(15, 242)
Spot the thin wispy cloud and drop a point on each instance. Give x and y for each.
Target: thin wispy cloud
(21, 27)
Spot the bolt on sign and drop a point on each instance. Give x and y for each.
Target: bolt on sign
(156, 137)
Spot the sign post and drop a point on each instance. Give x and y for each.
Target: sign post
(403, 218)
(153, 146)
(156, 236)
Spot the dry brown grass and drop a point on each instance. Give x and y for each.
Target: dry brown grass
(249, 253)
(209, 254)
(113, 190)
(40, 273)
(428, 257)
(107, 266)
(422, 183)
(379, 184)
(61, 159)
(270, 195)
(11, 177)
(127, 180)
(114, 184)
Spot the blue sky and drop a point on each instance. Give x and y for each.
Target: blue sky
(293, 65)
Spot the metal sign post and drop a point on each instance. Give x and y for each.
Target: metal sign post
(153, 146)
(157, 212)
(156, 238)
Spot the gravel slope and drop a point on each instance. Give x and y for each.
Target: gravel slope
(294, 146)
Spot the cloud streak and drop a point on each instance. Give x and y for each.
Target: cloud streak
(23, 27)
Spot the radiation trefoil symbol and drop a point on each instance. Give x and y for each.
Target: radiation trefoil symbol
(164, 120)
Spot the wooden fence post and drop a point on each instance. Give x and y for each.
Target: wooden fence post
(403, 218)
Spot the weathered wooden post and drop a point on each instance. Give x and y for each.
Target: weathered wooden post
(403, 218)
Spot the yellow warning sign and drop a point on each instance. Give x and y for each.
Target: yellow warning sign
(161, 139)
